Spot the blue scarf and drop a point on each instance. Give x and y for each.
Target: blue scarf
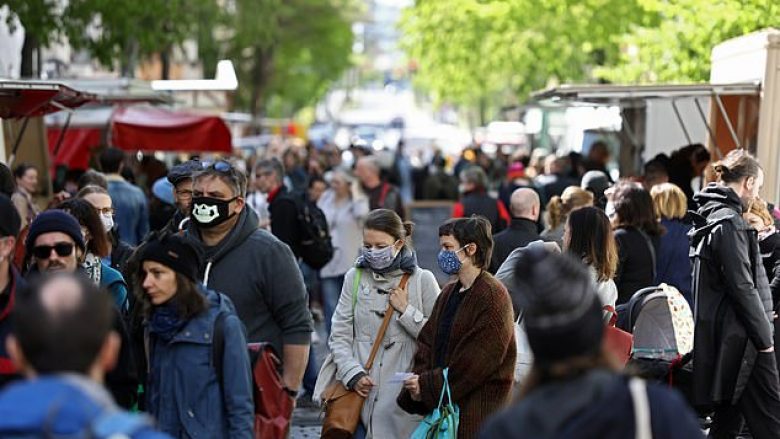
(406, 261)
(165, 321)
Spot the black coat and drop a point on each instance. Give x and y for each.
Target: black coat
(519, 234)
(636, 268)
(732, 299)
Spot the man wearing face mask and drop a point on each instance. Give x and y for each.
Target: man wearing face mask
(10, 282)
(255, 269)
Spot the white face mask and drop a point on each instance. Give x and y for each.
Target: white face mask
(108, 221)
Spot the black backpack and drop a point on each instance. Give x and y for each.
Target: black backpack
(315, 247)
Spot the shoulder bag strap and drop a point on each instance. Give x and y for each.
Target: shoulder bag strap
(651, 247)
(639, 397)
(385, 324)
(355, 286)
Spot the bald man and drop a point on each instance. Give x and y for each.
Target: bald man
(524, 207)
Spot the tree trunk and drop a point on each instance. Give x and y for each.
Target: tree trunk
(165, 60)
(129, 58)
(261, 76)
(29, 47)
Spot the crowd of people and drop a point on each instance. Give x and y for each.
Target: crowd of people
(152, 292)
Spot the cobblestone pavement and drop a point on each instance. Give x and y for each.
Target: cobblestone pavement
(306, 419)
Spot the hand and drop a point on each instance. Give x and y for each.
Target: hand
(364, 386)
(770, 349)
(399, 299)
(412, 385)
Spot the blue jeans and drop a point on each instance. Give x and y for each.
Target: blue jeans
(331, 290)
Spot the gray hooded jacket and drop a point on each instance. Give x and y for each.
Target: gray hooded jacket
(259, 274)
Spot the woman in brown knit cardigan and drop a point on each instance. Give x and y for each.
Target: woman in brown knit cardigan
(470, 332)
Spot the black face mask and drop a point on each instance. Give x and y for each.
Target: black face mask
(208, 212)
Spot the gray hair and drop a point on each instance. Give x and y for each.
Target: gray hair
(476, 176)
(274, 165)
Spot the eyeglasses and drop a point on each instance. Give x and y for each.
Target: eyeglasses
(44, 251)
(105, 211)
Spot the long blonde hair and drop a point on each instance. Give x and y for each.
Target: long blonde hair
(558, 208)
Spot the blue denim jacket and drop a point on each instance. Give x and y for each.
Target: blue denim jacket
(131, 210)
(184, 393)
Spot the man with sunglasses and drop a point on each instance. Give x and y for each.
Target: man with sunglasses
(56, 245)
(10, 282)
(255, 269)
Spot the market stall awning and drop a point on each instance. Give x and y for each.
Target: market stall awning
(156, 129)
(624, 95)
(32, 98)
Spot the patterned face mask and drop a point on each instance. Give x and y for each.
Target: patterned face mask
(380, 258)
(449, 262)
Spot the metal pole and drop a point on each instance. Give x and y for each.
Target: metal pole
(709, 128)
(679, 119)
(18, 142)
(728, 121)
(61, 136)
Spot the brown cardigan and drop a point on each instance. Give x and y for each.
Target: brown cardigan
(480, 355)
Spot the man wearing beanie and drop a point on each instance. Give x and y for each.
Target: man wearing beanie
(10, 282)
(56, 245)
(55, 242)
(574, 389)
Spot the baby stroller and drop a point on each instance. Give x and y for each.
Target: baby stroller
(661, 322)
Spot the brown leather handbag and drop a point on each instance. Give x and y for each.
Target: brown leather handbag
(342, 406)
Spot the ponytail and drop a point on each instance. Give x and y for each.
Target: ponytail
(554, 212)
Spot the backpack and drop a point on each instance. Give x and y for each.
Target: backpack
(316, 248)
(273, 406)
(109, 424)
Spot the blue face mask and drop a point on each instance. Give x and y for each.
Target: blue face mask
(449, 262)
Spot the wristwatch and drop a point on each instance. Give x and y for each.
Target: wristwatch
(293, 393)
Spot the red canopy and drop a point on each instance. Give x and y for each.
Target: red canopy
(23, 99)
(156, 129)
(76, 146)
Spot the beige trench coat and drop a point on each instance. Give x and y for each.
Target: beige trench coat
(352, 336)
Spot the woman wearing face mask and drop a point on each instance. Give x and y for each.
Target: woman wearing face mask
(119, 251)
(470, 332)
(97, 247)
(368, 289)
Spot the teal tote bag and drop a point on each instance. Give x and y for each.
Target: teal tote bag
(443, 422)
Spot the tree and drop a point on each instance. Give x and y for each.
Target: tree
(486, 53)
(677, 47)
(128, 31)
(41, 23)
(288, 52)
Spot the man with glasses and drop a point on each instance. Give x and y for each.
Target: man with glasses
(10, 282)
(180, 177)
(255, 269)
(56, 244)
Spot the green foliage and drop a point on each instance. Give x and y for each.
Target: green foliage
(39, 17)
(472, 52)
(290, 51)
(677, 48)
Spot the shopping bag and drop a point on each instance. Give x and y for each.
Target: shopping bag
(442, 423)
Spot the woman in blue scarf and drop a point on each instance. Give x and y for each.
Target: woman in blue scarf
(184, 391)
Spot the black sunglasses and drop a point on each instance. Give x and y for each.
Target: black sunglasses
(44, 251)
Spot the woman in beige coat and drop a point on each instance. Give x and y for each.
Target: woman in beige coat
(368, 289)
